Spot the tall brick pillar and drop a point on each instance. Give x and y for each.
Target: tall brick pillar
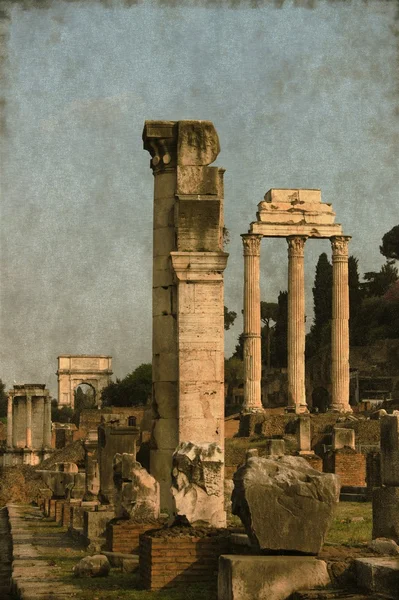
(188, 265)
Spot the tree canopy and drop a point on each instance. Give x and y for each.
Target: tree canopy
(229, 318)
(390, 244)
(132, 390)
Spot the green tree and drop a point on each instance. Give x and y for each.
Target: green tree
(61, 414)
(279, 347)
(233, 375)
(355, 296)
(229, 318)
(268, 315)
(132, 390)
(3, 399)
(390, 244)
(378, 283)
(322, 294)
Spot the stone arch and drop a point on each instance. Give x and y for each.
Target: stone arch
(78, 369)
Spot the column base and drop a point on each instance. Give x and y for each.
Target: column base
(300, 409)
(252, 410)
(340, 408)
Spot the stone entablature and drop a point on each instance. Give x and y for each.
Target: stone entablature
(76, 369)
(286, 212)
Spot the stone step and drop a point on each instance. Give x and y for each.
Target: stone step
(352, 498)
(334, 595)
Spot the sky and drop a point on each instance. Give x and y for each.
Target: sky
(303, 94)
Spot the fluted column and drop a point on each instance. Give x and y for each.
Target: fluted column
(47, 423)
(296, 324)
(9, 421)
(252, 326)
(340, 326)
(28, 421)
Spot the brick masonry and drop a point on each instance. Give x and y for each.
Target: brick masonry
(174, 561)
(123, 536)
(349, 465)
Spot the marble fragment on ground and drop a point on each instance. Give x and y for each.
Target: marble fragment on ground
(284, 504)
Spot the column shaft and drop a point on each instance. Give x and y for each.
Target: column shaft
(340, 326)
(9, 421)
(296, 325)
(252, 324)
(47, 423)
(28, 422)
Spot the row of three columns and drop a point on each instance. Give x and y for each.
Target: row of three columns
(296, 325)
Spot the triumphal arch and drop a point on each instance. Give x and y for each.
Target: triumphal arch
(94, 370)
(297, 215)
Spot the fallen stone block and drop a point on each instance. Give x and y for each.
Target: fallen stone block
(379, 575)
(384, 546)
(92, 566)
(268, 577)
(284, 504)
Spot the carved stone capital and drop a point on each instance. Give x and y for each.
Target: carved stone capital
(183, 143)
(339, 245)
(296, 245)
(160, 139)
(251, 243)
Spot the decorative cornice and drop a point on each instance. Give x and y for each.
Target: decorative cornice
(199, 266)
(296, 245)
(251, 243)
(339, 246)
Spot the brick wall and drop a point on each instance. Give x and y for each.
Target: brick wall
(314, 461)
(348, 464)
(123, 536)
(173, 561)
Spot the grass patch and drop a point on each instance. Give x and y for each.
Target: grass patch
(348, 532)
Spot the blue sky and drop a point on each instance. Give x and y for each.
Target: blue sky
(300, 98)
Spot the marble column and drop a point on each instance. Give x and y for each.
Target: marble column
(9, 422)
(28, 421)
(340, 326)
(252, 324)
(296, 324)
(47, 423)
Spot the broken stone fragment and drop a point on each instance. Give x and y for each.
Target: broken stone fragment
(137, 492)
(92, 566)
(284, 504)
(197, 483)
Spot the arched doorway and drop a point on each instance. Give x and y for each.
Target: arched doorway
(84, 396)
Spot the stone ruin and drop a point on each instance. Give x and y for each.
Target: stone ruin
(28, 425)
(297, 215)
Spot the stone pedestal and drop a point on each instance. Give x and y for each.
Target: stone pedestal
(296, 325)
(304, 436)
(268, 577)
(340, 326)
(390, 450)
(386, 513)
(343, 437)
(252, 324)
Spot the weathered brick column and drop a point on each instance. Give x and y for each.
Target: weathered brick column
(340, 326)
(188, 265)
(252, 325)
(296, 324)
